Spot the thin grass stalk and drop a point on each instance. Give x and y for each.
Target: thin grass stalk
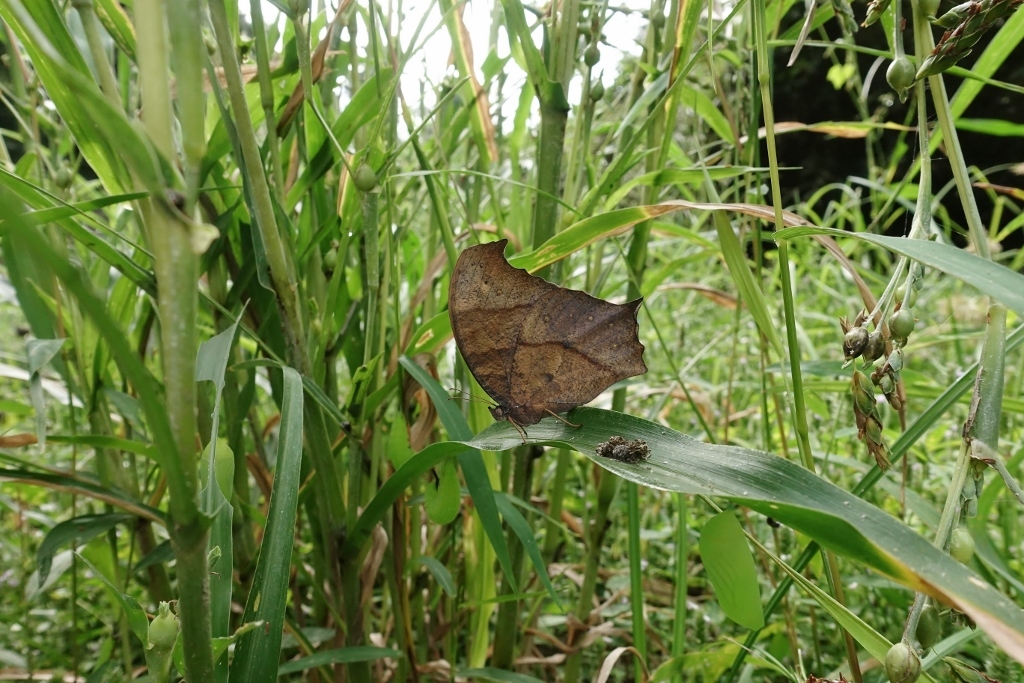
(330, 505)
(506, 630)
(924, 43)
(681, 576)
(799, 410)
(267, 98)
(636, 580)
(607, 487)
(556, 498)
(637, 264)
(283, 278)
(93, 37)
(188, 57)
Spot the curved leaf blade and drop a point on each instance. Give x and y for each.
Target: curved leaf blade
(790, 494)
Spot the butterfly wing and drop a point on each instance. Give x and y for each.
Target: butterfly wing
(488, 302)
(573, 347)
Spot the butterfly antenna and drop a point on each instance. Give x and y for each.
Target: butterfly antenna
(469, 397)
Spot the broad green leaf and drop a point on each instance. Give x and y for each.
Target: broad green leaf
(730, 566)
(790, 494)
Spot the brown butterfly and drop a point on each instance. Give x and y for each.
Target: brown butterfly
(536, 348)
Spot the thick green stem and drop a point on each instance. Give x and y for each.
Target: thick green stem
(549, 171)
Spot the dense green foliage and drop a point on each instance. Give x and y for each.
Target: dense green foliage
(224, 267)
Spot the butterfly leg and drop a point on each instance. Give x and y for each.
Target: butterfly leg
(562, 419)
(522, 432)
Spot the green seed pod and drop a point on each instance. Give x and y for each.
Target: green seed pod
(364, 178)
(874, 431)
(863, 396)
(210, 43)
(163, 630)
(657, 20)
(929, 627)
(64, 177)
(886, 384)
(902, 664)
(901, 75)
(854, 343)
(961, 545)
(901, 324)
(597, 92)
(875, 348)
(592, 55)
(906, 294)
(331, 260)
(895, 361)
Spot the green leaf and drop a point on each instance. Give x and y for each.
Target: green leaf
(258, 652)
(40, 352)
(788, 493)
(137, 620)
(470, 460)
(93, 307)
(439, 572)
(50, 208)
(88, 489)
(73, 532)
(708, 112)
(344, 655)
(444, 498)
(1002, 284)
(392, 488)
(496, 675)
(521, 528)
(753, 296)
(58, 63)
(730, 567)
